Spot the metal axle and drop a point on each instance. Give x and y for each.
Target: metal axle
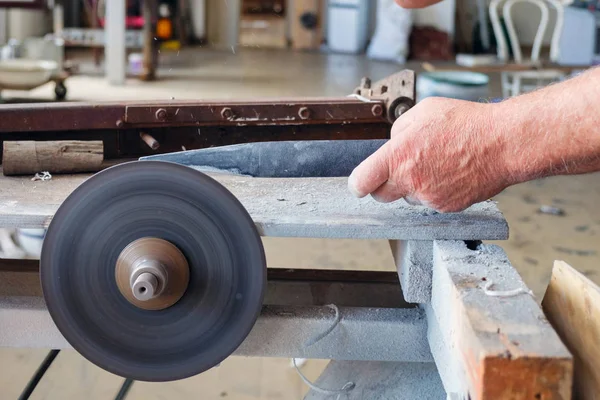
(152, 273)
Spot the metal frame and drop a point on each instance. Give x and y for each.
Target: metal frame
(293, 312)
(177, 124)
(485, 346)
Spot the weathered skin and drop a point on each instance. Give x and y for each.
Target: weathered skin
(448, 154)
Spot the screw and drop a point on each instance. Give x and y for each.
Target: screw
(161, 114)
(304, 113)
(120, 123)
(227, 113)
(377, 110)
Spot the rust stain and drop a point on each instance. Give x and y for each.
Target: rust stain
(526, 378)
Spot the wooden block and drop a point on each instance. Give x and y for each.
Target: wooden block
(263, 31)
(303, 37)
(572, 305)
(491, 347)
(64, 156)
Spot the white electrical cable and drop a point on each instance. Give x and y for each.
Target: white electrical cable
(504, 293)
(320, 336)
(42, 176)
(348, 386)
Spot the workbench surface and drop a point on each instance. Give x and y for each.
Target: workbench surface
(285, 207)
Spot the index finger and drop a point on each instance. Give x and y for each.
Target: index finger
(371, 173)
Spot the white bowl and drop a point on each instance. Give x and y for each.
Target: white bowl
(463, 85)
(25, 74)
(31, 241)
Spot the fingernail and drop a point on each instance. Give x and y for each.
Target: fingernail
(413, 201)
(352, 186)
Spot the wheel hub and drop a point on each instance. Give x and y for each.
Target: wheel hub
(152, 273)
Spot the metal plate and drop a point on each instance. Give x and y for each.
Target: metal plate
(180, 205)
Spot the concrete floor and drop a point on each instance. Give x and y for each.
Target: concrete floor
(536, 239)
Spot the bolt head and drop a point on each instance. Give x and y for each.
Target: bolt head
(377, 110)
(120, 123)
(161, 114)
(227, 113)
(304, 113)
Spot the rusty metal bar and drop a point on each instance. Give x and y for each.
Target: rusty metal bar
(46, 117)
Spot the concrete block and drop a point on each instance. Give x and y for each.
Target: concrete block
(414, 262)
(379, 381)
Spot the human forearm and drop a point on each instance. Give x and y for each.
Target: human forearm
(553, 131)
(448, 154)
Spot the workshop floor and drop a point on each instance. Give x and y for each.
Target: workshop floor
(536, 239)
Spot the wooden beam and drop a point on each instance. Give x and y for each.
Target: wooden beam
(572, 305)
(489, 346)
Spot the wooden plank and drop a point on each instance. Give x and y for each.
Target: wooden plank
(572, 305)
(304, 38)
(285, 207)
(491, 347)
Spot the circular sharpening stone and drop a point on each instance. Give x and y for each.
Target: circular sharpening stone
(157, 220)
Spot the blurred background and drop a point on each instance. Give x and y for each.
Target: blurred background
(115, 50)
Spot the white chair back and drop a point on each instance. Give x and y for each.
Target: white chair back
(515, 44)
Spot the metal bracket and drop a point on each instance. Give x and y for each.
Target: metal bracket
(397, 91)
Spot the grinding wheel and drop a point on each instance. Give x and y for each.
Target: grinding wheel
(153, 271)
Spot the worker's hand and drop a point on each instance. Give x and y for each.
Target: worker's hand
(442, 153)
(416, 3)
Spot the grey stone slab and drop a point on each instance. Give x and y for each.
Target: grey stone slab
(414, 262)
(286, 207)
(380, 381)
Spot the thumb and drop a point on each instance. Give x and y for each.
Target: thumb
(371, 173)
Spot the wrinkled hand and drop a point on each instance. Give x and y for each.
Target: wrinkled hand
(445, 154)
